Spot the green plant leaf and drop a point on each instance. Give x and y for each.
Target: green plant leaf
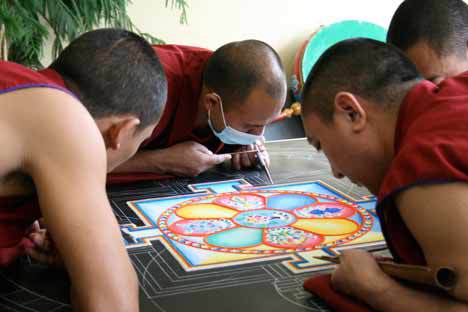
(27, 23)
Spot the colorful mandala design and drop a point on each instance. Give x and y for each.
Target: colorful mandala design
(265, 222)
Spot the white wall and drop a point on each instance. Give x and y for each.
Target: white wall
(283, 24)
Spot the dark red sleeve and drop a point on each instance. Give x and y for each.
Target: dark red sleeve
(17, 213)
(431, 139)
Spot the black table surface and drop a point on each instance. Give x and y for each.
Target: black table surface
(164, 285)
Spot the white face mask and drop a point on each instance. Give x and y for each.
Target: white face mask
(230, 135)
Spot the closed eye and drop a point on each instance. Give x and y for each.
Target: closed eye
(318, 147)
(315, 144)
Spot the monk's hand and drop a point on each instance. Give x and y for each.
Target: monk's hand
(42, 247)
(359, 275)
(244, 160)
(247, 160)
(191, 158)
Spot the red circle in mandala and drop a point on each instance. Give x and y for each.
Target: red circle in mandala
(288, 243)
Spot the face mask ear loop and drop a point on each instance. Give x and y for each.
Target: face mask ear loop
(222, 110)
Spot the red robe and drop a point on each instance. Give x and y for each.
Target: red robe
(17, 213)
(183, 66)
(431, 147)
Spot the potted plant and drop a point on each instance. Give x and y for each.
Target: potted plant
(25, 25)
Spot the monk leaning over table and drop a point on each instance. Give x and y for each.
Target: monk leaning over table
(434, 35)
(61, 130)
(405, 139)
(218, 102)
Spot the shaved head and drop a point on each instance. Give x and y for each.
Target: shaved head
(442, 24)
(237, 68)
(364, 67)
(114, 72)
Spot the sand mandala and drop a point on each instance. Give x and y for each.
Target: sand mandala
(265, 222)
(229, 223)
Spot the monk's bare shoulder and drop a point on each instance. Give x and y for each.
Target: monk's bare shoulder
(437, 216)
(36, 124)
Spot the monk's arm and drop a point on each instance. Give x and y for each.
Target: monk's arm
(437, 216)
(67, 161)
(399, 298)
(153, 161)
(183, 159)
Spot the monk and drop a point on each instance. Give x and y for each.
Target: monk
(62, 130)
(218, 102)
(434, 35)
(404, 138)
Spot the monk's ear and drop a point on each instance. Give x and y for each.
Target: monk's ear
(210, 101)
(349, 107)
(121, 130)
